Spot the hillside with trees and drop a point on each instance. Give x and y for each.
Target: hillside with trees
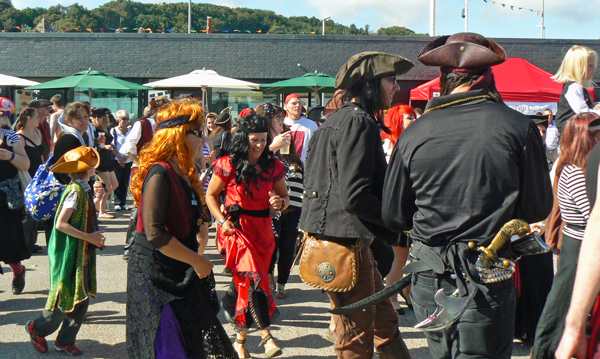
(172, 17)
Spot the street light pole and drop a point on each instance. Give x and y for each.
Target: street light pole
(432, 18)
(190, 17)
(325, 18)
(466, 15)
(543, 28)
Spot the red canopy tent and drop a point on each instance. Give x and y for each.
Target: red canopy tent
(516, 79)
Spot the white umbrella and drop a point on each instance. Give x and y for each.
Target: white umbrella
(203, 79)
(6, 80)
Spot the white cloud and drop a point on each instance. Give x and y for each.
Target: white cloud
(379, 13)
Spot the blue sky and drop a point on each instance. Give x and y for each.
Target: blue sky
(564, 19)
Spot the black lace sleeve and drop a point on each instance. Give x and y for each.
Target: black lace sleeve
(155, 194)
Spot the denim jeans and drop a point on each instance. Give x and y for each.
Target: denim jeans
(485, 330)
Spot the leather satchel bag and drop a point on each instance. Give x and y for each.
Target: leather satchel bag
(554, 224)
(328, 265)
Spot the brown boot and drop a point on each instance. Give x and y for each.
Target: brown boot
(395, 350)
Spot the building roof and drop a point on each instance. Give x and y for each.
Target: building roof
(259, 58)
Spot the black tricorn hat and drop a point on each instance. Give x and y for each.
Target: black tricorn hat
(224, 116)
(465, 50)
(368, 66)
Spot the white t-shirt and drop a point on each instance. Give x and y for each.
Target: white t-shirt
(302, 130)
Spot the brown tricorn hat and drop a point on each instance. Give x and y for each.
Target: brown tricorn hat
(368, 66)
(465, 50)
(77, 160)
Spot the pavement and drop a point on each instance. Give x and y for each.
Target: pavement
(298, 331)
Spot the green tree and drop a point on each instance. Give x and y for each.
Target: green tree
(397, 31)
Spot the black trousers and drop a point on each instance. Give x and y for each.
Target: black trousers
(49, 322)
(486, 328)
(552, 322)
(285, 244)
(123, 174)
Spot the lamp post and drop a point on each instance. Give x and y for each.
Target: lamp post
(432, 18)
(466, 15)
(190, 17)
(541, 24)
(325, 18)
(303, 68)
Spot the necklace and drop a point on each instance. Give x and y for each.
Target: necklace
(252, 163)
(456, 102)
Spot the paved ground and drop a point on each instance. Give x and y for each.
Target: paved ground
(298, 330)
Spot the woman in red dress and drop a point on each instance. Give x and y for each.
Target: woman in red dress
(254, 183)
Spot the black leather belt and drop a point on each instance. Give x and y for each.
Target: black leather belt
(427, 260)
(142, 245)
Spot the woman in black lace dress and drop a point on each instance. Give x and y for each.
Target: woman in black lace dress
(171, 300)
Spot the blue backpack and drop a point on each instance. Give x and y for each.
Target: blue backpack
(43, 193)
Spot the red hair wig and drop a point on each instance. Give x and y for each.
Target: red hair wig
(168, 143)
(394, 120)
(577, 141)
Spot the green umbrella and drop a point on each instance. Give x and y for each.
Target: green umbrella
(316, 83)
(92, 80)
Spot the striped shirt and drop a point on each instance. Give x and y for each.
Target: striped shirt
(11, 136)
(573, 200)
(294, 179)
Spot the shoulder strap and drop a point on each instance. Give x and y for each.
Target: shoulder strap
(27, 139)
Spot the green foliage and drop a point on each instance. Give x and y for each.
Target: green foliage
(174, 16)
(397, 31)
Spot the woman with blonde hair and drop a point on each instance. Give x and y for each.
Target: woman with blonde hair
(171, 299)
(575, 72)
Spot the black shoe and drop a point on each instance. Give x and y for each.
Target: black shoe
(36, 249)
(18, 283)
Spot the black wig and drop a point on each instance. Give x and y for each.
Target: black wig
(449, 81)
(240, 147)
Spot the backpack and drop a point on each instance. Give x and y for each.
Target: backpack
(43, 193)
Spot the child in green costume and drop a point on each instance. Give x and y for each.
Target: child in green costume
(72, 256)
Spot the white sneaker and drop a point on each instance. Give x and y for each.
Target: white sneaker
(126, 207)
(117, 207)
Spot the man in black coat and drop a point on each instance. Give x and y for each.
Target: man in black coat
(462, 170)
(345, 169)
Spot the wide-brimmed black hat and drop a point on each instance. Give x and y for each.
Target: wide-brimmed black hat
(224, 116)
(465, 50)
(368, 66)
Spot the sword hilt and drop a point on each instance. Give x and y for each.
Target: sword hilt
(489, 255)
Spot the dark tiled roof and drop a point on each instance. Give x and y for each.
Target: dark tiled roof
(260, 58)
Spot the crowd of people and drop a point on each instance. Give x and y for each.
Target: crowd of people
(388, 183)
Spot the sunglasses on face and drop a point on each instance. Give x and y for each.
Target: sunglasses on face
(197, 133)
